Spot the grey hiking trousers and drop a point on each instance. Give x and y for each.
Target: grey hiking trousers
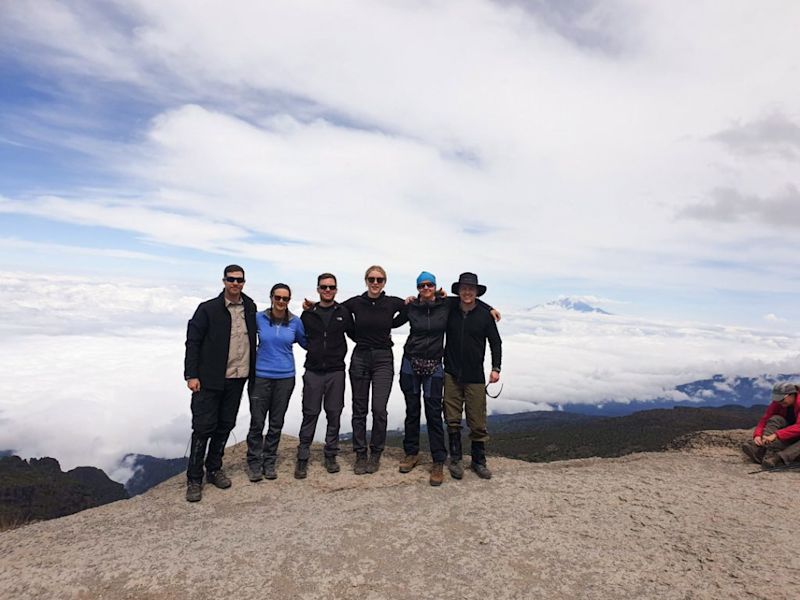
(321, 389)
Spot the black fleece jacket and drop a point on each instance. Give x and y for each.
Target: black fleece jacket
(373, 320)
(467, 334)
(327, 346)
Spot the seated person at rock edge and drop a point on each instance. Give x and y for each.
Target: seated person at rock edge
(776, 438)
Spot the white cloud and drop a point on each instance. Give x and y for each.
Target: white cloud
(773, 318)
(571, 136)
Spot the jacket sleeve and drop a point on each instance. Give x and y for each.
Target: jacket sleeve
(401, 318)
(771, 410)
(196, 331)
(788, 434)
(350, 326)
(495, 343)
(300, 334)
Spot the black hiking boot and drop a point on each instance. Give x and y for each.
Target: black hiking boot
(479, 461)
(360, 468)
(254, 473)
(269, 471)
(331, 466)
(301, 469)
(374, 463)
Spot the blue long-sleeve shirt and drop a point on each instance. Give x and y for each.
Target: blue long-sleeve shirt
(274, 357)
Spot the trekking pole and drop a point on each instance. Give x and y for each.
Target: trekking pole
(790, 467)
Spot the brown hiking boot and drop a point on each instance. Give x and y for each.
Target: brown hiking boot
(437, 474)
(755, 453)
(409, 462)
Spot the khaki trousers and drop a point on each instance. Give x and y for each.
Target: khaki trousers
(469, 397)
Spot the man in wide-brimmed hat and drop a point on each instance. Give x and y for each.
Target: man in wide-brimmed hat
(468, 330)
(776, 438)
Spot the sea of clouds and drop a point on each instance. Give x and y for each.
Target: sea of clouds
(93, 369)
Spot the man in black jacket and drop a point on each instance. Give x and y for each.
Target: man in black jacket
(326, 324)
(468, 329)
(220, 358)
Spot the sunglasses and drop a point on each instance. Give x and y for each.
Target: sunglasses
(234, 279)
(376, 279)
(325, 288)
(497, 395)
(281, 298)
(426, 284)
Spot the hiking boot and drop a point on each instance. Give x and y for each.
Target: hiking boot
(254, 473)
(481, 470)
(194, 491)
(755, 453)
(219, 479)
(331, 466)
(374, 462)
(361, 463)
(456, 469)
(270, 472)
(437, 474)
(409, 462)
(301, 469)
(771, 461)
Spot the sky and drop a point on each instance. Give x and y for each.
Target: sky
(641, 154)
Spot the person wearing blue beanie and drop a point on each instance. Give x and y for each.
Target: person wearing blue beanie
(422, 372)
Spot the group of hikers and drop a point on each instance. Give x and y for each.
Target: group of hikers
(230, 343)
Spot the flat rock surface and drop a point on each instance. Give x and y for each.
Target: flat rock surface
(689, 523)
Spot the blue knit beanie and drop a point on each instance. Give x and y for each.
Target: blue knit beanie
(425, 276)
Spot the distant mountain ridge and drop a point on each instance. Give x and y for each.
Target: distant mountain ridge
(719, 390)
(149, 471)
(573, 304)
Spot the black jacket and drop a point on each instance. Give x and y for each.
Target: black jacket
(208, 339)
(373, 320)
(466, 344)
(428, 324)
(327, 347)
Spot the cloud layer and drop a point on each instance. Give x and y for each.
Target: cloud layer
(96, 368)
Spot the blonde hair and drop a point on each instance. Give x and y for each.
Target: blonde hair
(375, 268)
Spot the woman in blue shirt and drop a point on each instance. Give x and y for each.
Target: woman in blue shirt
(278, 331)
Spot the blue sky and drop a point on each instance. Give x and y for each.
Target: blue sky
(643, 155)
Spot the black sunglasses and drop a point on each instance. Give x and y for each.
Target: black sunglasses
(234, 279)
(497, 395)
(326, 287)
(376, 279)
(281, 298)
(426, 284)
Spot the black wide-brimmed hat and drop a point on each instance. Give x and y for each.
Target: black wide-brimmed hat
(470, 279)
